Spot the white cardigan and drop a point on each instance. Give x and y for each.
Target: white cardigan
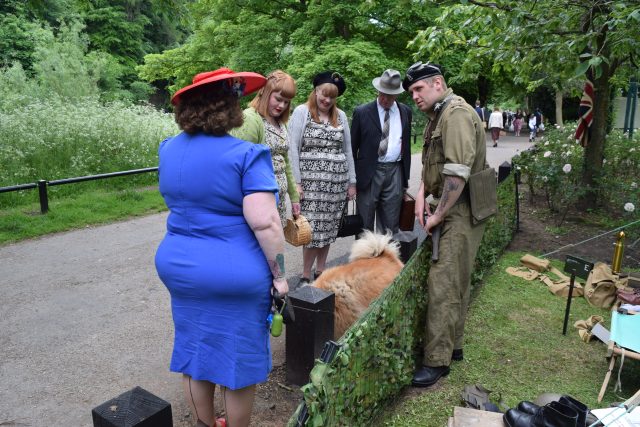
(495, 120)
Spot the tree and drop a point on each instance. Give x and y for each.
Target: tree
(549, 41)
(357, 38)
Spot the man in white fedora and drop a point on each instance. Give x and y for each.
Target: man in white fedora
(381, 144)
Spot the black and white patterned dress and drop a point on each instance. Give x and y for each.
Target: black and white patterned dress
(323, 165)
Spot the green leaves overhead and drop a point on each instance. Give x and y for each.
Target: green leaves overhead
(358, 39)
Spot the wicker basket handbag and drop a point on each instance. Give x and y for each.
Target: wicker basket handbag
(298, 231)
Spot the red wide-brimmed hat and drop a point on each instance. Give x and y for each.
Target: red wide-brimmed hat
(252, 81)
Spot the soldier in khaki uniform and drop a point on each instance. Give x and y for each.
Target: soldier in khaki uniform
(454, 149)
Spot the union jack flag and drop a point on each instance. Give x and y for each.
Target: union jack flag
(585, 112)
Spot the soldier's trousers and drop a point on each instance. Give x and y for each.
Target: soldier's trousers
(449, 285)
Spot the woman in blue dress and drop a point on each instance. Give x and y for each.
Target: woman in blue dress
(223, 250)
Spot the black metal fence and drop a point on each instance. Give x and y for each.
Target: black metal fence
(42, 184)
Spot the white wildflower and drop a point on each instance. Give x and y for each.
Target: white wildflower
(546, 143)
(629, 207)
(634, 185)
(631, 150)
(566, 168)
(547, 153)
(545, 179)
(604, 161)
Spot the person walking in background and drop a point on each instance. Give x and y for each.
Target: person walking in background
(265, 123)
(454, 150)
(532, 127)
(224, 247)
(538, 115)
(381, 147)
(322, 164)
(517, 122)
(496, 124)
(479, 110)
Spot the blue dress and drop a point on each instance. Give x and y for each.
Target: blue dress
(210, 260)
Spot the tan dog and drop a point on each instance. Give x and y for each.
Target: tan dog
(373, 264)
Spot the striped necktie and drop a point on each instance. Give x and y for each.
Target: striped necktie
(384, 142)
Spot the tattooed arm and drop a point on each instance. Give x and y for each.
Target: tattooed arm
(260, 211)
(453, 186)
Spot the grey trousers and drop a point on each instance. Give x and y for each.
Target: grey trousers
(382, 199)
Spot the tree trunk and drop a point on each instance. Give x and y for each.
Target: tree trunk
(559, 94)
(594, 152)
(483, 89)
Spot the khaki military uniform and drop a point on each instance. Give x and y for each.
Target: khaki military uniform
(454, 145)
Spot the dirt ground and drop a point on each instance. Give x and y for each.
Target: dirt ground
(537, 235)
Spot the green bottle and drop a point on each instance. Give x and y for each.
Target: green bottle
(276, 325)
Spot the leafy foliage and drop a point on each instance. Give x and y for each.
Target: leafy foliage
(357, 39)
(545, 42)
(80, 138)
(554, 165)
(378, 353)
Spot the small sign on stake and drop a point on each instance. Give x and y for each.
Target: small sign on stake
(576, 267)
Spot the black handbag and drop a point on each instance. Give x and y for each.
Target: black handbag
(350, 224)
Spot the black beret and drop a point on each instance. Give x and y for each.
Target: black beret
(420, 71)
(330, 77)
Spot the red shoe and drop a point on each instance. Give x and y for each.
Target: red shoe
(221, 422)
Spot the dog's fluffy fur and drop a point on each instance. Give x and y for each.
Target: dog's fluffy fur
(373, 264)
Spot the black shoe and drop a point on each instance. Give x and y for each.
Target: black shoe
(317, 274)
(528, 407)
(457, 355)
(577, 406)
(428, 376)
(495, 144)
(554, 414)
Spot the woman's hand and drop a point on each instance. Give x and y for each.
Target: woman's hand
(300, 192)
(295, 209)
(281, 286)
(351, 192)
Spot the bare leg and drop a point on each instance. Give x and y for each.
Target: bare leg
(238, 405)
(199, 395)
(322, 258)
(309, 255)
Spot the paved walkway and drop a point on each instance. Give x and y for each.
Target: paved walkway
(85, 318)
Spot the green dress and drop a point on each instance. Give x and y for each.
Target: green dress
(258, 130)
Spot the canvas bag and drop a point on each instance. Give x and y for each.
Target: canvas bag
(541, 269)
(483, 195)
(600, 289)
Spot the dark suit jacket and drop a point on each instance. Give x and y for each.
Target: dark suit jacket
(366, 134)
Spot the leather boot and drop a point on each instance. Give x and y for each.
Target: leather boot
(553, 414)
(577, 406)
(527, 407)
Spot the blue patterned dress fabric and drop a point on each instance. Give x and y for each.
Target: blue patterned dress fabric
(210, 260)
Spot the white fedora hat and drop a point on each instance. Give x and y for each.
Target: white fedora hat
(389, 82)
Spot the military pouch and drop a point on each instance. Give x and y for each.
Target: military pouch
(483, 195)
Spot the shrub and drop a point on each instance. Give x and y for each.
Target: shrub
(553, 168)
(56, 139)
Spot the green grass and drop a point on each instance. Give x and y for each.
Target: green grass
(515, 347)
(87, 208)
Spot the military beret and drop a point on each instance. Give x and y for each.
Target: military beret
(330, 77)
(420, 71)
